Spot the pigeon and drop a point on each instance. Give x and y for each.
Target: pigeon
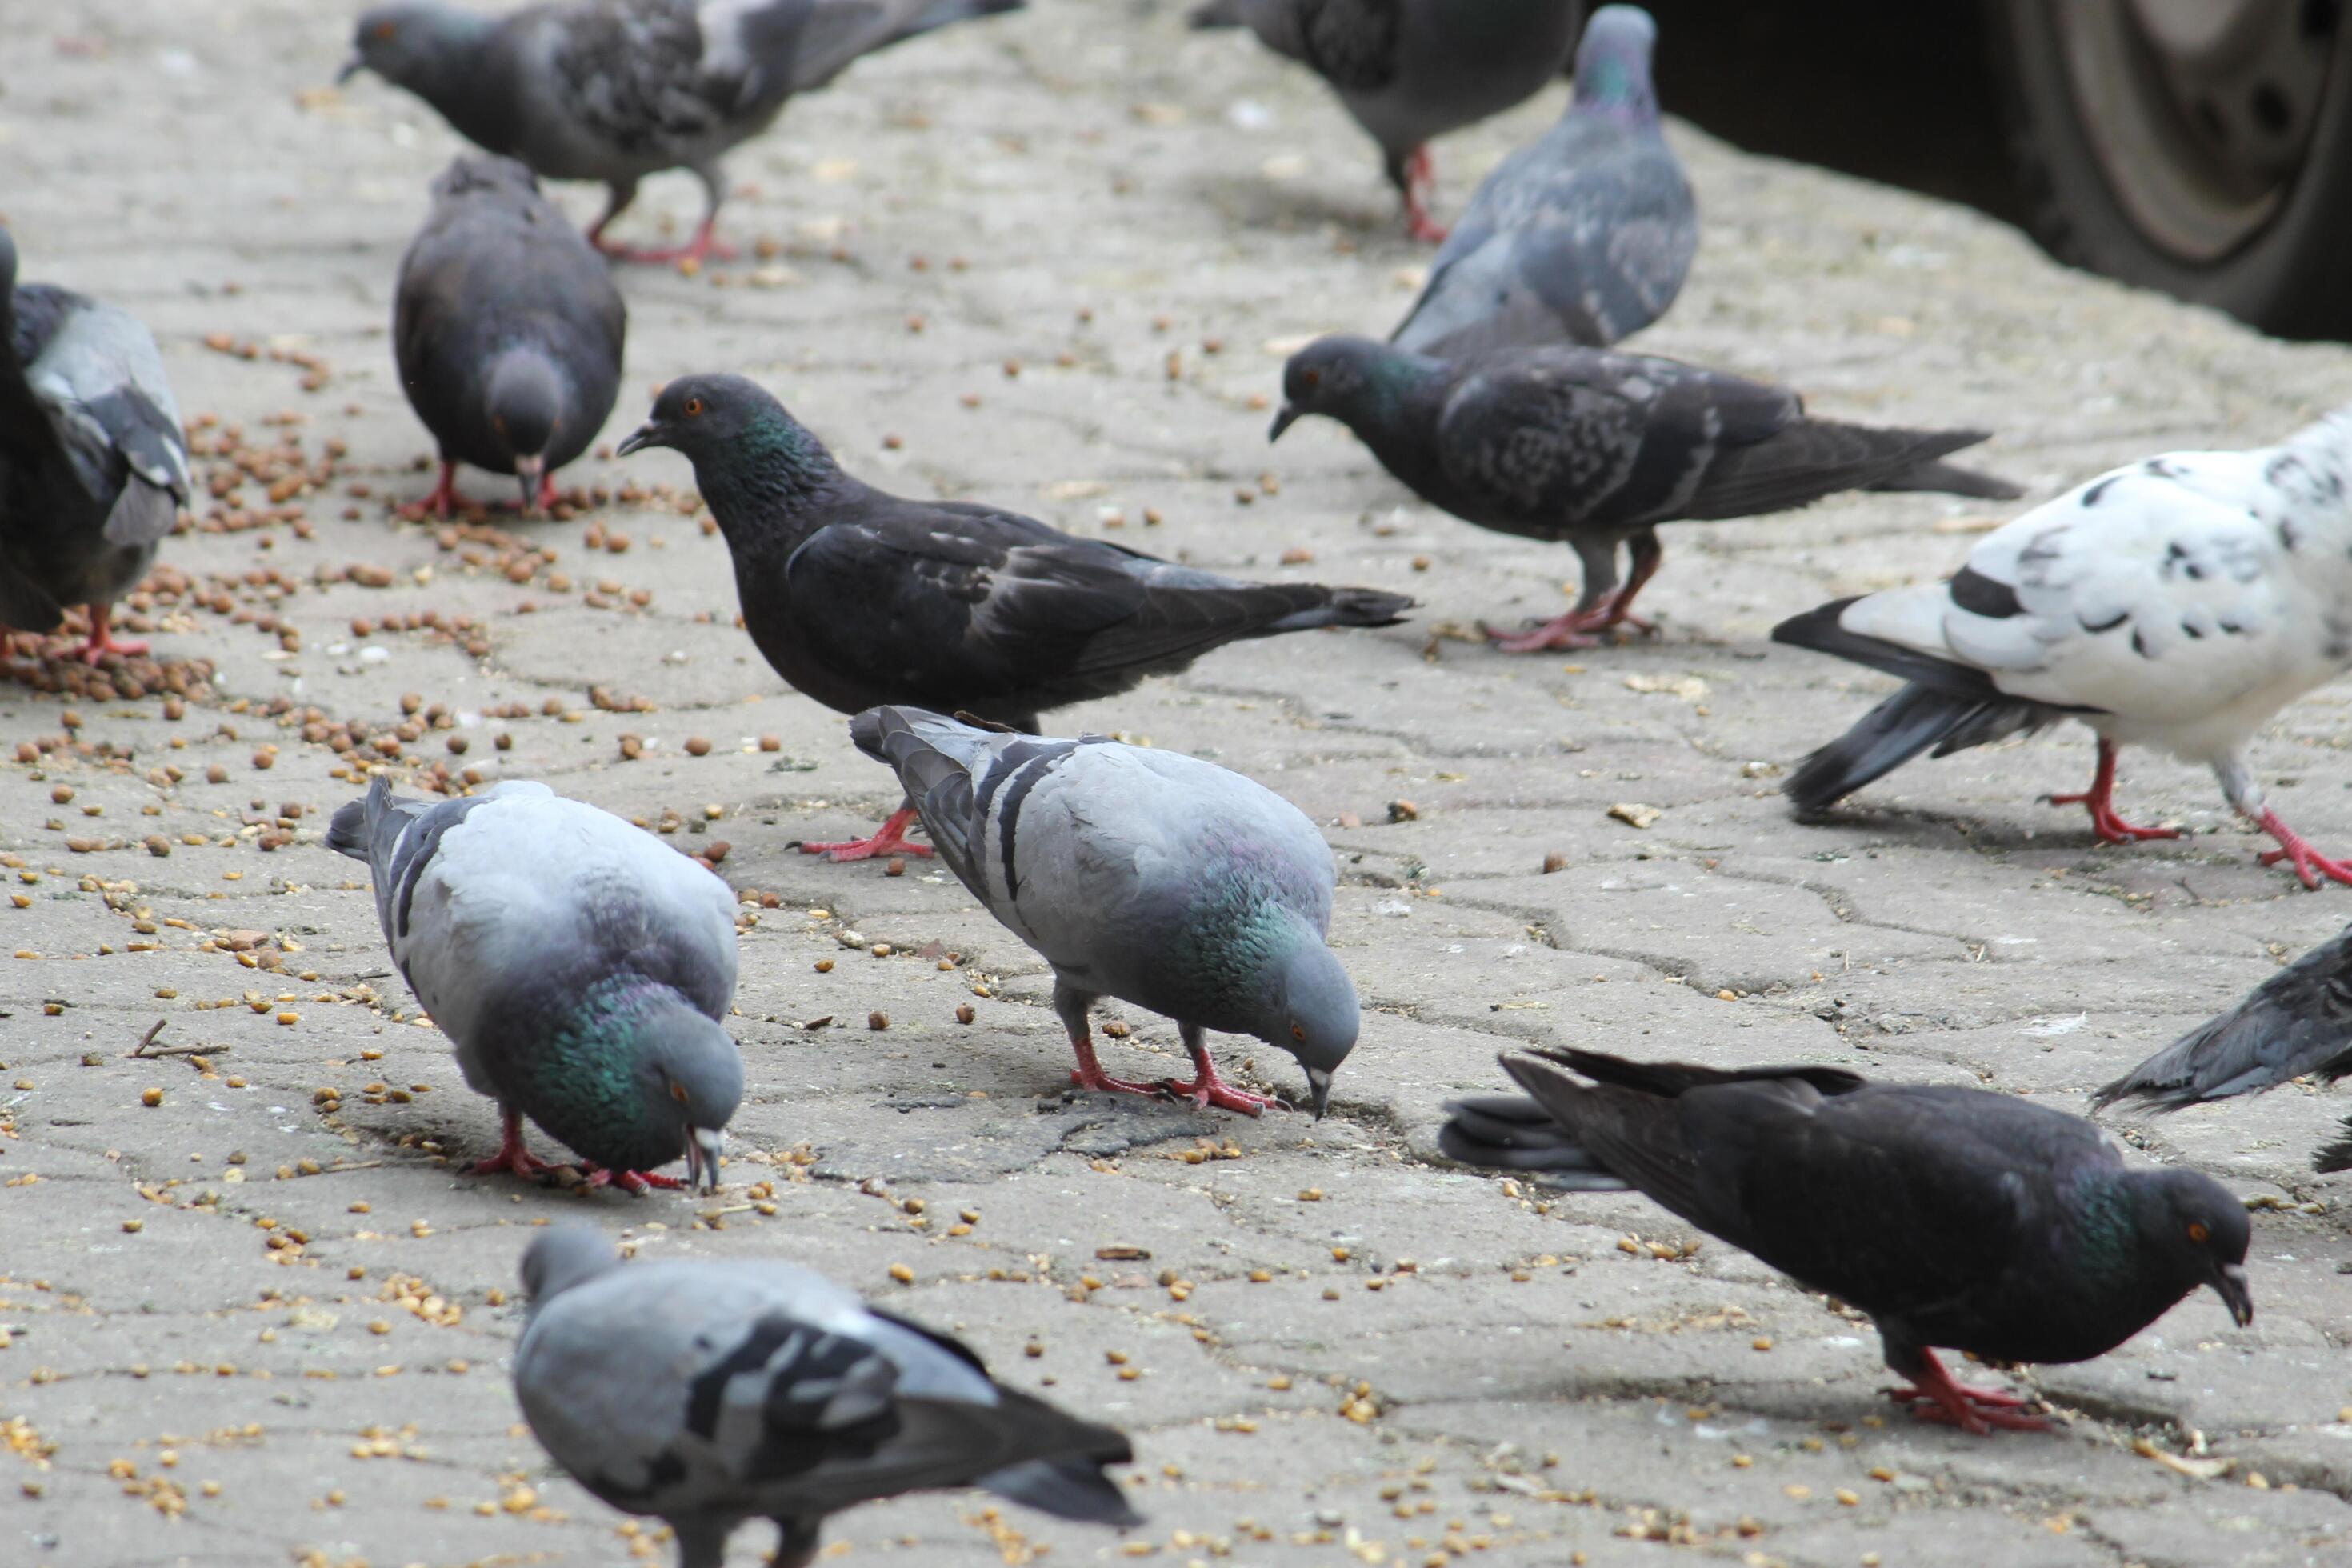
(618, 89)
(1410, 70)
(1583, 236)
(2176, 603)
(507, 329)
(1954, 1217)
(858, 597)
(1596, 449)
(1156, 877)
(580, 966)
(709, 1392)
(94, 461)
(2297, 1024)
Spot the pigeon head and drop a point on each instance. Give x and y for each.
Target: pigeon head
(523, 399)
(690, 1079)
(1344, 378)
(418, 46)
(2191, 1221)
(560, 1258)
(1612, 63)
(1314, 1011)
(746, 448)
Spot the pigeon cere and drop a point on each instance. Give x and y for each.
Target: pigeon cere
(727, 844)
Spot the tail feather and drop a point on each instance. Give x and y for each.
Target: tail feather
(1511, 1132)
(2336, 1156)
(2296, 1023)
(1907, 723)
(1668, 1079)
(932, 756)
(1951, 480)
(1214, 14)
(1345, 607)
(1066, 1489)
(1811, 459)
(353, 830)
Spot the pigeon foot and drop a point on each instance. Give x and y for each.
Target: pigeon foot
(2308, 860)
(1420, 184)
(1575, 629)
(1209, 1089)
(512, 1155)
(1088, 1073)
(703, 247)
(629, 1181)
(891, 840)
(1935, 1397)
(2099, 800)
(103, 640)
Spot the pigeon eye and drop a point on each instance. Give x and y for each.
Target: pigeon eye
(1298, 1032)
(693, 408)
(384, 30)
(677, 1092)
(1310, 379)
(2197, 1231)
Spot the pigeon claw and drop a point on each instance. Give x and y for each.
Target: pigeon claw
(103, 640)
(1419, 183)
(2099, 800)
(1222, 1096)
(891, 840)
(2308, 860)
(630, 1181)
(1973, 1410)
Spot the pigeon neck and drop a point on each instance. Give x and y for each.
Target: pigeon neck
(1393, 407)
(465, 78)
(768, 469)
(1614, 89)
(585, 1083)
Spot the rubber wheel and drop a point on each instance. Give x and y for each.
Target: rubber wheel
(2271, 244)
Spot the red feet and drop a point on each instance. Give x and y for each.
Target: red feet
(1935, 1397)
(103, 640)
(1207, 1089)
(1578, 628)
(445, 498)
(1088, 1073)
(1420, 184)
(703, 247)
(2308, 860)
(891, 840)
(512, 1155)
(2100, 801)
(630, 1181)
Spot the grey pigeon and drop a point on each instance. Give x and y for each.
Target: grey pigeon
(1596, 449)
(506, 329)
(94, 461)
(2297, 1024)
(709, 1392)
(860, 597)
(2176, 603)
(1156, 877)
(1954, 1217)
(618, 89)
(1410, 70)
(1583, 236)
(580, 966)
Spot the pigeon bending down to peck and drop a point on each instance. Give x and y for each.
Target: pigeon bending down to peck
(1583, 236)
(2178, 603)
(708, 1393)
(93, 460)
(1156, 877)
(507, 329)
(1954, 1217)
(2297, 1024)
(618, 89)
(580, 966)
(858, 597)
(1411, 71)
(1596, 449)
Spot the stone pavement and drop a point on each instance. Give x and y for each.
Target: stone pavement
(254, 1314)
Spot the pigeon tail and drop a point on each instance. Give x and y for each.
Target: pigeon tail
(2336, 1156)
(1951, 480)
(1214, 14)
(353, 831)
(1912, 720)
(1810, 459)
(1512, 1133)
(932, 756)
(1347, 607)
(2295, 1023)
(1066, 1489)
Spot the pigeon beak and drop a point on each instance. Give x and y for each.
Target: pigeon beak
(1289, 416)
(532, 473)
(351, 67)
(1319, 1083)
(2230, 1282)
(702, 1150)
(649, 434)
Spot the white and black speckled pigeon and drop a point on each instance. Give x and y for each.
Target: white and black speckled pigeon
(708, 1394)
(1156, 877)
(1583, 236)
(580, 966)
(2178, 603)
(1596, 449)
(93, 462)
(618, 89)
(1411, 71)
(858, 597)
(2297, 1024)
(506, 329)
(1954, 1217)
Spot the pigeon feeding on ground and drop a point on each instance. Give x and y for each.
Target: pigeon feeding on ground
(2297, 1024)
(1954, 1217)
(858, 597)
(580, 966)
(1596, 449)
(1583, 236)
(1411, 71)
(506, 329)
(94, 461)
(618, 89)
(708, 1393)
(1156, 877)
(2178, 603)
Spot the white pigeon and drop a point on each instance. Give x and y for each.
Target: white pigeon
(2176, 603)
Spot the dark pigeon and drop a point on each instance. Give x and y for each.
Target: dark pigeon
(1953, 1216)
(1411, 71)
(1596, 449)
(618, 89)
(707, 1393)
(580, 967)
(93, 460)
(506, 329)
(860, 598)
(1143, 874)
(1583, 236)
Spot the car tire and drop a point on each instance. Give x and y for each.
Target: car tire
(2276, 254)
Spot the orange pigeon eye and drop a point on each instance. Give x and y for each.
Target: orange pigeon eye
(2197, 1231)
(384, 30)
(693, 408)
(677, 1092)
(1298, 1032)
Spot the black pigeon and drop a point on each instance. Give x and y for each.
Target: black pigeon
(507, 329)
(860, 599)
(2297, 1024)
(93, 462)
(1954, 1217)
(618, 89)
(1596, 449)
